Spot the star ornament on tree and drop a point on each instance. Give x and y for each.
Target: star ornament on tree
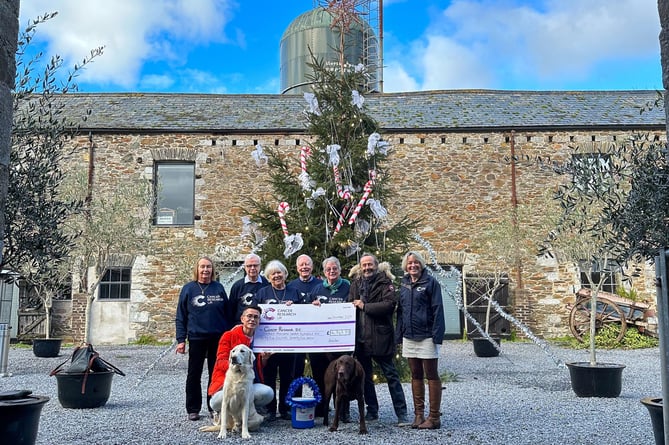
(344, 13)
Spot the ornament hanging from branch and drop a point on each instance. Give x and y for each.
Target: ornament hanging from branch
(357, 99)
(377, 208)
(376, 145)
(293, 243)
(342, 218)
(311, 202)
(367, 191)
(313, 103)
(305, 180)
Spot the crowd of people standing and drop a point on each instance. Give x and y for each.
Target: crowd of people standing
(212, 323)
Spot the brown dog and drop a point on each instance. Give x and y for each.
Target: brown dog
(344, 378)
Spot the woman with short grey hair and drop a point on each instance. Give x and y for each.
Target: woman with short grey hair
(279, 364)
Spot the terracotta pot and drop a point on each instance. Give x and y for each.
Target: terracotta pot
(598, 380)
(47, 347)
(654, 406)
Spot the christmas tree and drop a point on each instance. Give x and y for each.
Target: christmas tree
(332, 202)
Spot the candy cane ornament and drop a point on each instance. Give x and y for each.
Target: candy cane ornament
(367, 191)
(305, 152)
(342, 219)
(305, 180)
(293, 243)
(342, 192)
(283, 208)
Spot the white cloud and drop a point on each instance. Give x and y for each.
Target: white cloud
(493, 44)
(133, 32)
(395, 78)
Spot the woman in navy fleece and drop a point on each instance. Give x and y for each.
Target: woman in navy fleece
(201, 318)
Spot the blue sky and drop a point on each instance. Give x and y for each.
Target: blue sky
(232, 47)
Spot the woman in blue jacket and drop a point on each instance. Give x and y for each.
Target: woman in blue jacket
(420, 330)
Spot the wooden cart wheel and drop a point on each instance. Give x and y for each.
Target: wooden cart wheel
(607, 312)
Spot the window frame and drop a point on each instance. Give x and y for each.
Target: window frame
(122, 288)
(164, 216)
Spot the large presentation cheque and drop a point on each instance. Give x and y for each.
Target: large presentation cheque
(306, 328)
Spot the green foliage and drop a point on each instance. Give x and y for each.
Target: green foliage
(337, 120)
(402, 365)
(149, 340)
(449, 377)
(606, 339)
(642, 218)
(630, 294)
(37, 240)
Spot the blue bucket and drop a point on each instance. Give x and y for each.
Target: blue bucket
(303, 417)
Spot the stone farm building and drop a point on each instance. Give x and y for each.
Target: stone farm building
(447, 168)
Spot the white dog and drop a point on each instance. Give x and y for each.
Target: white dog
(237, 403)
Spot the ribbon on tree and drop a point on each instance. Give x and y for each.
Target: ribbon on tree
(293, 243)
(367, 191)
(378, 210)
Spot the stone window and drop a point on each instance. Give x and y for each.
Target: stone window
(115, 284)
(174, 193)
(591, 172)
(609, 276)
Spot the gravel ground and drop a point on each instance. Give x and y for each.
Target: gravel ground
(520, 397)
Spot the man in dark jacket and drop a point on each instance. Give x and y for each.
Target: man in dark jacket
(373, 294)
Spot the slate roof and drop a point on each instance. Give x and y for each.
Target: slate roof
(427, 111)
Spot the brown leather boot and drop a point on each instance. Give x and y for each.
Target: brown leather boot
(418, 391)
(433, 421)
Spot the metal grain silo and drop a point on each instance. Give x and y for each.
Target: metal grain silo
(311, 32)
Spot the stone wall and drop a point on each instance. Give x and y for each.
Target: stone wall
(458, 183)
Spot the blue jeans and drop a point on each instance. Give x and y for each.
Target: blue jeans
(387, 366)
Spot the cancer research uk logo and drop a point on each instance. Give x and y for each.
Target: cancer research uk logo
(269, 314)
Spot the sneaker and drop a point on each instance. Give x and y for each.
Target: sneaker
(285, 416)
(270, 417)
(193, 416)
(371, 416)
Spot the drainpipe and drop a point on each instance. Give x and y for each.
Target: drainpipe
(514, 205)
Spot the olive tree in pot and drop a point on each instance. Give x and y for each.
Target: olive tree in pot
(509, 242)
(37, 241)
(586, 237)
(643, 220)
(486, 287)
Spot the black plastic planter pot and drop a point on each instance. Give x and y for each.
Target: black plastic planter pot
(654, 406)
(46, 347)
(598, 380)
(483, 347)
(96, 389)
(20, 413)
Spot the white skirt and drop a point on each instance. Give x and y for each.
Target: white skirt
(424, 349)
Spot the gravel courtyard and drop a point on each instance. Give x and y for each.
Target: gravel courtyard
(520, 397)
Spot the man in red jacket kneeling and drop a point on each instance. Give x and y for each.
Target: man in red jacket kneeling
(241, 335)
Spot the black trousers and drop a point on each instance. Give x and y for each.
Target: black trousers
(198, 352)
(280, 365)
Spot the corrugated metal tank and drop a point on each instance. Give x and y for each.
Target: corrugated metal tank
(311, 31)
